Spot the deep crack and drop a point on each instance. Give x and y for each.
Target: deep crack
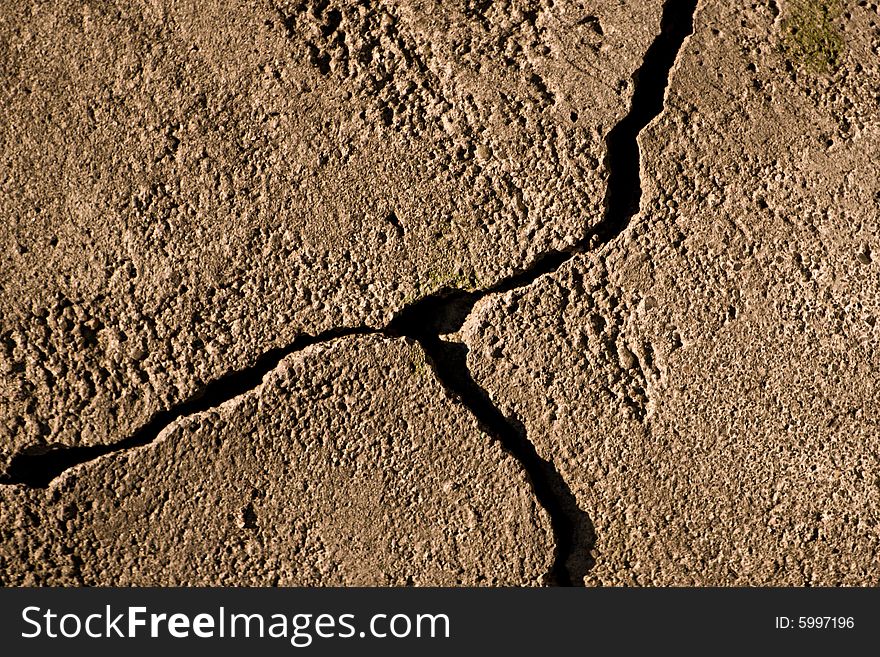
(36, 469)
(572, 528)
(445, 312)
(624, 191)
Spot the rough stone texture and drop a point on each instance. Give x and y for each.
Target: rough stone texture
(349, 465)
(184, 185)
(706, 384)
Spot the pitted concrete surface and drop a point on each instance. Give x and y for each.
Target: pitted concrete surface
(426, 293)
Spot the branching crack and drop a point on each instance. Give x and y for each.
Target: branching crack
(445, 312)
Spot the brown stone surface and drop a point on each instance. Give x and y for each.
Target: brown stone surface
(514, 377)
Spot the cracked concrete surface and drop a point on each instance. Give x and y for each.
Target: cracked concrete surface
(595, 395)
(187, 185)
(348, 465)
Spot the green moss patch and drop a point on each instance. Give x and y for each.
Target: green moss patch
(813, 35)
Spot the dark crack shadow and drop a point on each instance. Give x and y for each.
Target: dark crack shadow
(572, 528)
(624, 189)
